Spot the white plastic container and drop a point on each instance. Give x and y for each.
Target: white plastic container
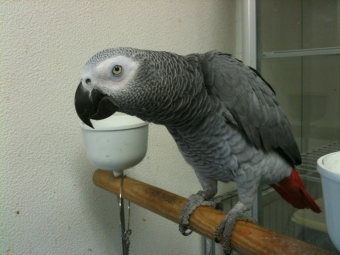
(116, 143)
(329, 168)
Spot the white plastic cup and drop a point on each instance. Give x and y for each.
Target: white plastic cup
(116, 143)
(329, 168)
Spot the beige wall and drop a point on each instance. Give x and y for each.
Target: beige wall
(49, 204)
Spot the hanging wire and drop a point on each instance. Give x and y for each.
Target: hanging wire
(125, 234)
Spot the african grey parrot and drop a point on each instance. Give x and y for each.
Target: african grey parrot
(222, 114)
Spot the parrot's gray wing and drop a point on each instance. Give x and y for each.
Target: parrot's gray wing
(250, 102)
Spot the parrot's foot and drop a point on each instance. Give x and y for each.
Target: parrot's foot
(227, 225)
(189, 207)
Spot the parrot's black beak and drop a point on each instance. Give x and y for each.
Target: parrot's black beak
(93, 105)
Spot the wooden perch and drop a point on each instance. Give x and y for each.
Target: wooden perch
(247, 238)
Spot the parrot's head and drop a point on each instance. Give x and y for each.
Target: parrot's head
(137, 82)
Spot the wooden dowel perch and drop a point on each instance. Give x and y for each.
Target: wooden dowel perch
(247, 238)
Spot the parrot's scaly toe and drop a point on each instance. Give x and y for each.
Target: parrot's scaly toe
(227, 225)
(188, 208)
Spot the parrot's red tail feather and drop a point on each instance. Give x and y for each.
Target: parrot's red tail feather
(292, 190)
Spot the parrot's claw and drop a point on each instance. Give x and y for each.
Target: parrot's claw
(227, 225)
(188, 208)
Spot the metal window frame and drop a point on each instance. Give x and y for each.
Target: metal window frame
(249, 54)
(302, 52)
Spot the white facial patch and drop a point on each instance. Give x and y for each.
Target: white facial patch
(101, 76)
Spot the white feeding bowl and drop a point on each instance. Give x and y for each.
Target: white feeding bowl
(329, 169)
(116, 143)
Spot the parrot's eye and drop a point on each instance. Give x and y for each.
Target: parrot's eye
(117, 69)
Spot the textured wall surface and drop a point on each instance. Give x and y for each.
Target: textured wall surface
(49, 204)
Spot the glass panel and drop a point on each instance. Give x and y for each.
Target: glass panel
(320, 101)
(294, 25)
(278, 25)
(321, 23)
(308, 90)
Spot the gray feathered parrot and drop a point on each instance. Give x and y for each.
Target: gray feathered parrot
(222, 114)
